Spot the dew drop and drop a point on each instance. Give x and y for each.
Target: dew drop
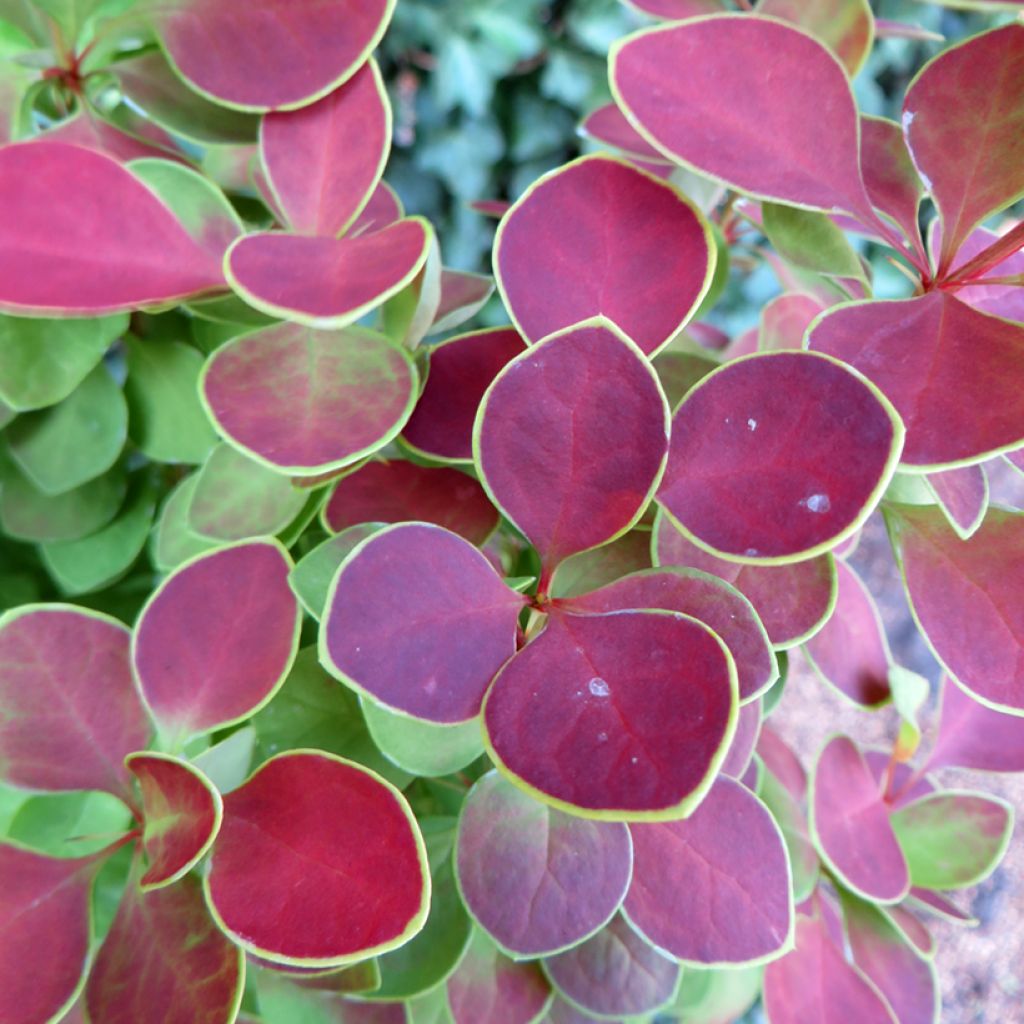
(752, 425)
(598, 687)
(751, 553)
(634, 760)
(817, 503)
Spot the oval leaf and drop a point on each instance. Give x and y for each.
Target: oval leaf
(461, 370)
(615, 973)
(419, 620)
(138, 253)
(949, 370)
(851, 828)
(333, 852)
(569, 250)
(181, 814)
(536, 880)
(217, 638)
(326, 282)
(803, 449)
(705, 898)
(396, 491)
(324, 160)
(69, 713)
(625, 716)
(306, 401)
(745, 100)
(283, 53)
(571, 439)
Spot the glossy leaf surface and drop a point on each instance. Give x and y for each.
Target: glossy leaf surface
(978, 641)
(217, 638)
(44, 914)
(326, 282)
(614, 973)
(705, 898)
(386, 633)
(138, 253)
(537, 880)
(586, 216)
(396, 491)
(301, 49)
(740, 483)
(181, 814)
(947, 368)
(69, 712)
(851, 827)
(571, 438)
(461, 370)
(793, 601)
(706, 598)
(306, 401)
(850, 651)
(311, 833)
(605, 715)
(673, 82)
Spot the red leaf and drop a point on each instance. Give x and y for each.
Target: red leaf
(181, 813)
(850, 825)
(966, 598)
(714, 888)
(461, 370)
(570, 440)
(104, 246)
(963, 496)
(463, 295)
(846, 27)
(324, 160)
(964, 119)
(615, 973)
(676, 9)
(307, 401)
(216, 639)
(488, 986)
(785, 320)
(383, 209)
(625, 716)
(890, 177)
(397, 491)
(905, 978)
(793, 601)
(282, 53)
(815, 984)
(974, 736)
(744, 742)
(600, 566)
(746, 100)
(706, 598)
(537, 880)
(327, 282)
(851, 651)
(949, 370)
(782, 762)
(418, 620)
(44, 921)
(69, 712)
(164, 951)
(608, 124)
(572, 248)
(319, 862)
(1000, 300)
(801, 450)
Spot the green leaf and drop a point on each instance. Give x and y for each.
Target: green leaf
(43, 361)
(810, 240)
(69, 824)
(909, 693)
(952, 839)
(423, 748)
(167, 420)
(226, 764)
(712, 996)
(173, 542)
(313, 574)
(312, 710)
(74, 441)
(80, 566)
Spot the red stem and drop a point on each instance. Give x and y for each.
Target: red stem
(1001, 249)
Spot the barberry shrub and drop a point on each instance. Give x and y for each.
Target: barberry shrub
(448, 688)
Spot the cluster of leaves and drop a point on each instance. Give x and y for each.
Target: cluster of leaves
(450, 701)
